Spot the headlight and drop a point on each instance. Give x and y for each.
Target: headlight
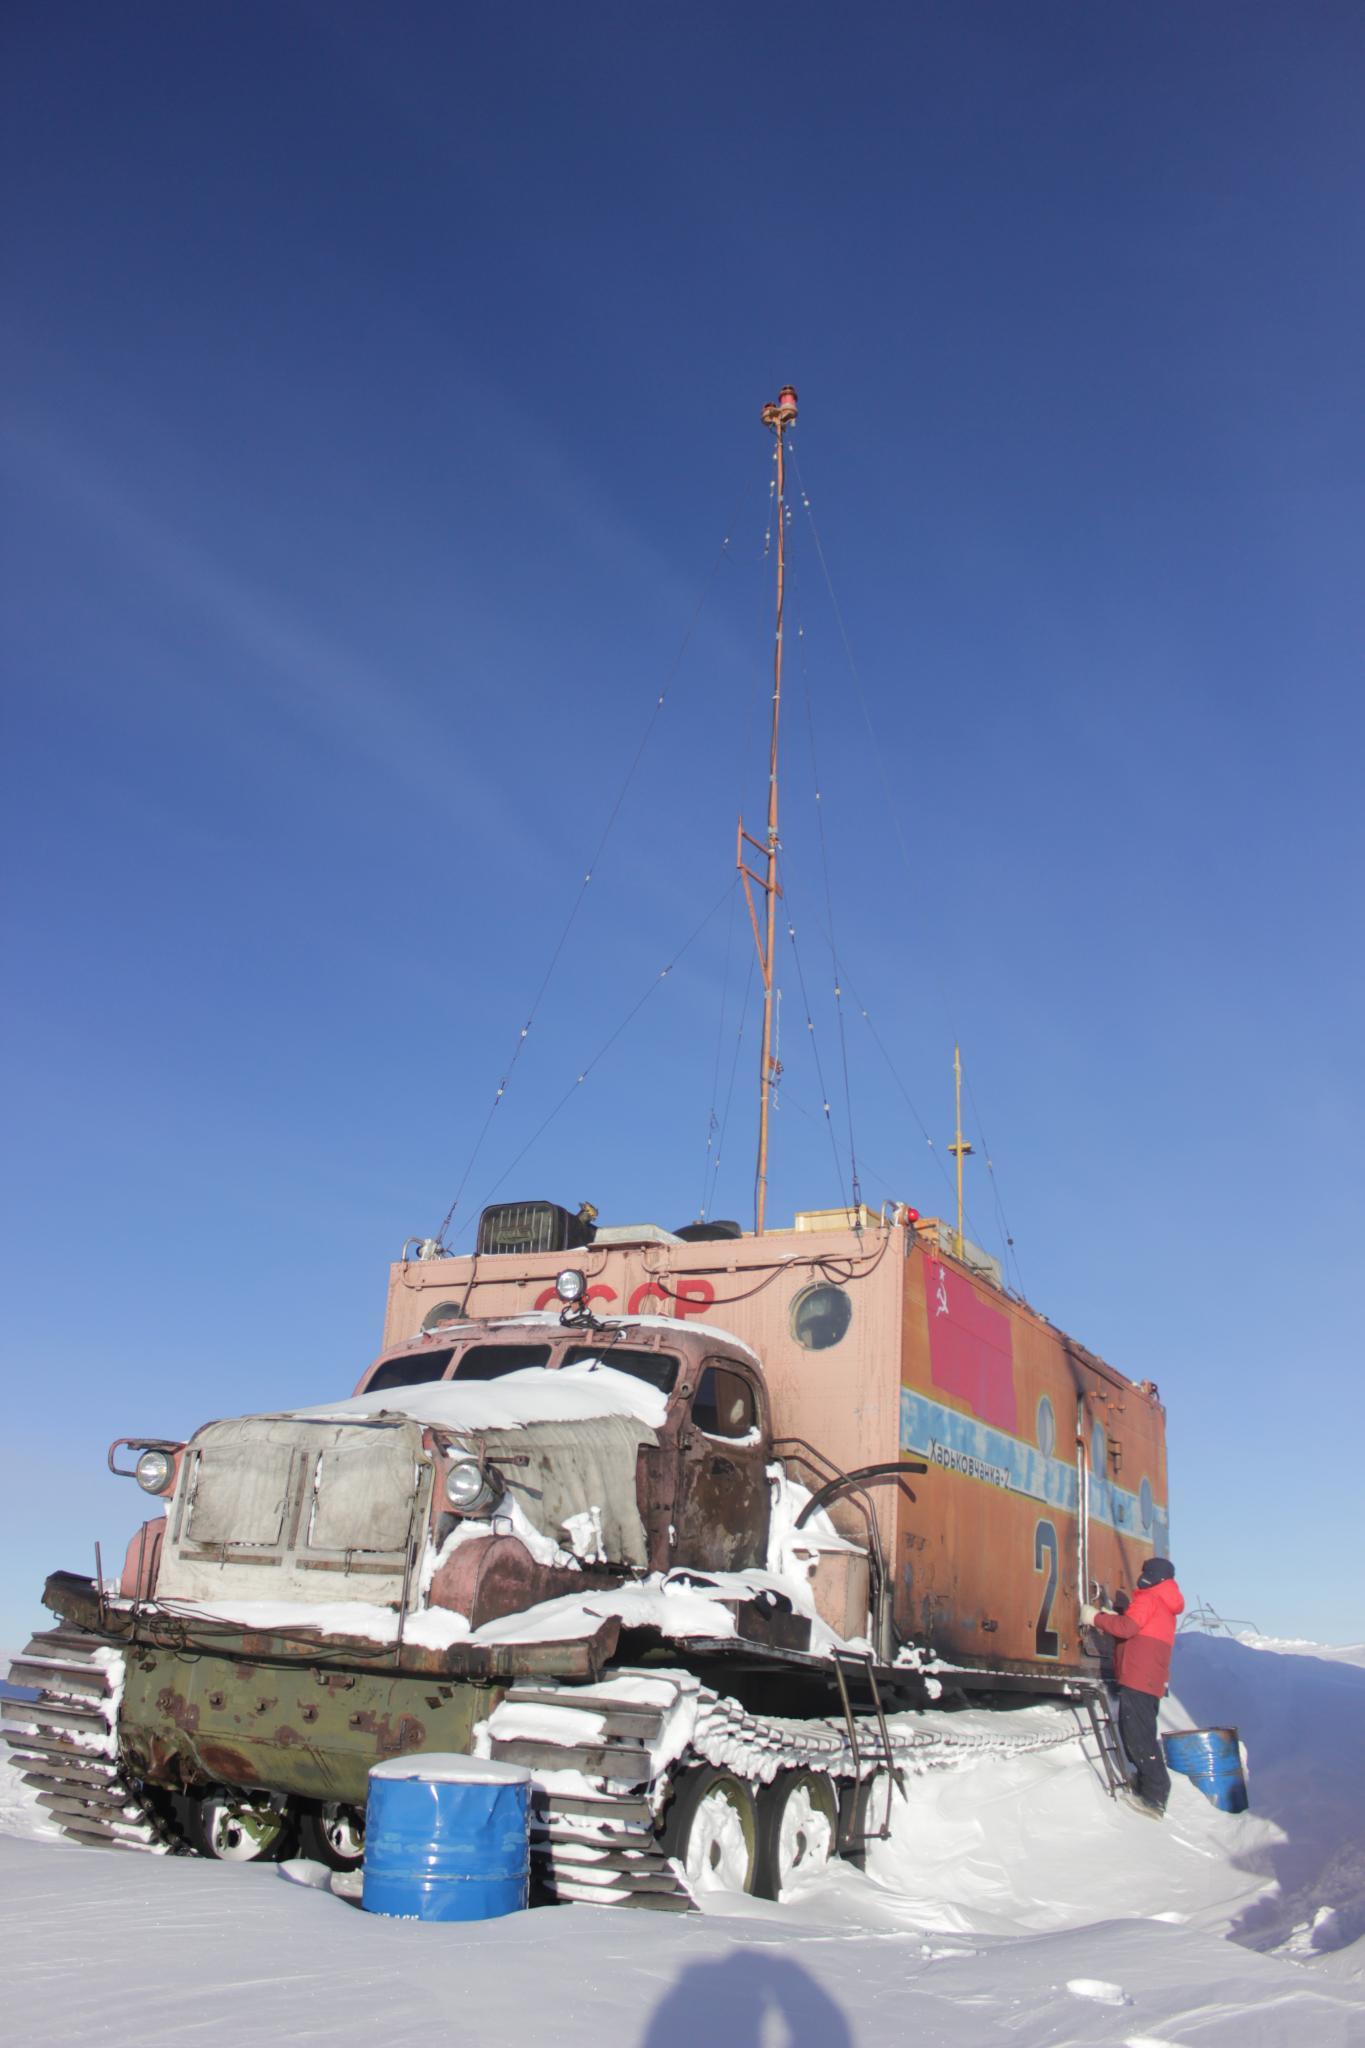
(467, 1486)
(154, 1471)
(570, 1285)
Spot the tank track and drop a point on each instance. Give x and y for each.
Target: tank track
(65, 1742)
(603, 1760)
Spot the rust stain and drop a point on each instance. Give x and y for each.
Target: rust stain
(137, 1752)
(162, 1763)
(287, 1737)
(177, 1708)
(390, 1741)
(228, 1764)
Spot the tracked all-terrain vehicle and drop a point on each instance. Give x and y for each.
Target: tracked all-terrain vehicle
(709, 1528)
(711, 1532)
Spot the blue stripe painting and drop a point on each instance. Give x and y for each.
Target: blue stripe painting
(959, 1443)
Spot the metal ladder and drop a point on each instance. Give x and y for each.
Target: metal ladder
(863, 1662)
(1110, 1753)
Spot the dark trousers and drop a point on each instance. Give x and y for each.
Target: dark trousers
(1137, 1729)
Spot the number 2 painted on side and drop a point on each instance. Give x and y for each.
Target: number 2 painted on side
(1045, 1639)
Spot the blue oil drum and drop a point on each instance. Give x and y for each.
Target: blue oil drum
(1213, 1758)
(446, 1838)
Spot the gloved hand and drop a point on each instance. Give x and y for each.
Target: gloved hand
(1122, 1603)
(1088, 1614)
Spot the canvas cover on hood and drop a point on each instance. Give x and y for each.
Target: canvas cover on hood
(577, 1486)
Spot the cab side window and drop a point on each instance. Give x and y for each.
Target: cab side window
(724, 1403)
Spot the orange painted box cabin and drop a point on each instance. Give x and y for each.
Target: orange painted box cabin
(1046, 1468)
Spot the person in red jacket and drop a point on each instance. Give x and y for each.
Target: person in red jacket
(1143, 1629)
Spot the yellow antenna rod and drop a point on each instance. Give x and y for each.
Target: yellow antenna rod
(959, 1147)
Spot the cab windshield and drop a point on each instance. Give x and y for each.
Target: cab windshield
(492, 1361)
(655, 1368)
(413, 1371)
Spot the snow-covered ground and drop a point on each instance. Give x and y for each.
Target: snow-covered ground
(1015, 1902)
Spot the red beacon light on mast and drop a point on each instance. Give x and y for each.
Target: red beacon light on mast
(783, 414)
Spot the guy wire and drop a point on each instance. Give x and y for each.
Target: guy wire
(829, 914)
(612, 816)
(730, 1090)
(608, 1043)
(814, 1045)
(712, 1126)
(895, 818)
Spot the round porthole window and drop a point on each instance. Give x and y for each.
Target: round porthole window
(444, 1312)
(1145, 1503)
(1047, 1428)
(820, 1317)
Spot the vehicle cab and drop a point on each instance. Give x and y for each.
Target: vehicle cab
(702, 1489)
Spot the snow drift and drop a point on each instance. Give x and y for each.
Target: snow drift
(1014, 1901)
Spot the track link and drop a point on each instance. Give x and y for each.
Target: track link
(65, 1742)
(598, 1757)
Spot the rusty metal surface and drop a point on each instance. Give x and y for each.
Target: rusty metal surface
(74, 1599)
(720, 1519)
(143, 1560)
(194, 1720)
(491, 1576)
(722, 1522)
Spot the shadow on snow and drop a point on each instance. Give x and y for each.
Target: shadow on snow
(731, 2001)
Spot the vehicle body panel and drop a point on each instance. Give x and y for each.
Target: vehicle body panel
(310, 1730)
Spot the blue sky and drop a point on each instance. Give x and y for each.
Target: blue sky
(380, 387)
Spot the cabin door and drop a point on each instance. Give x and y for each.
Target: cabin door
(723, 1502)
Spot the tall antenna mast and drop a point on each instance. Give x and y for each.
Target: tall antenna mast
(959, 1148)
(779, 417)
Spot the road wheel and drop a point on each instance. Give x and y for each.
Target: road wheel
(712, 1830)
(240, 1827)
(333, 1834)
(798, 1830)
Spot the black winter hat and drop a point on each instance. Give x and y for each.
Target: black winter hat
(1155, 1570)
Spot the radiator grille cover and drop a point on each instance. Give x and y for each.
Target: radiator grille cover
(521, 1229)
